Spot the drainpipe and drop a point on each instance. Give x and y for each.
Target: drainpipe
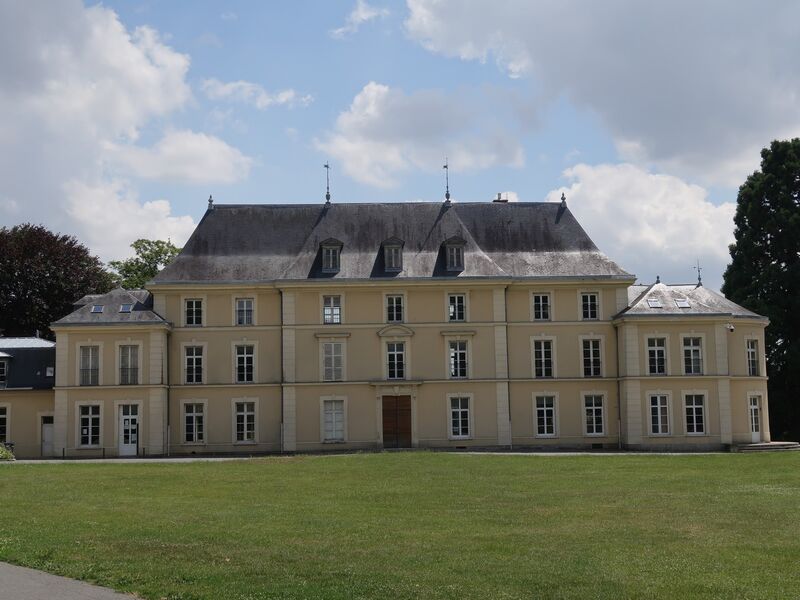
(619, 394)
(280, 292)
(166, 364)
(508, 370)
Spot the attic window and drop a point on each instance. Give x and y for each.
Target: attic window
(97, 308)
(125, 308)
(393, 257)
(455, 256)
(331, 251)
(654, 303)
(682, 303)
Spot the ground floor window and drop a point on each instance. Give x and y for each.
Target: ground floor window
(3, 424)
(695, 414)
(245, 421)
(194, 430)
(545, 415)
(90, 424)
(333, 420)
(659, 415)
(593, 409)
(459, 417)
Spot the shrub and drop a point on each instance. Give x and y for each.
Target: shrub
(5, 453)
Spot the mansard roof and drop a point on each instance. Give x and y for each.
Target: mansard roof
(273, 242)
(661, 299)
(141, 312)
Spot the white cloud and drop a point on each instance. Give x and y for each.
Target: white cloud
(229, 16)
(110, 211)
(253, 94)
(697, 88)
(386, 132)
(653, 224)
(361, 13)
(185, 157)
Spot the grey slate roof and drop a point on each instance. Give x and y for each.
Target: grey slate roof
(28, 360)
(702, 302)
(262, 243)
(141, 311)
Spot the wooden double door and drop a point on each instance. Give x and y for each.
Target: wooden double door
(397, 421)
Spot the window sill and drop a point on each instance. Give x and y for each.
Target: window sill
(245, 443)
(199, 444)
(334, 441)
(90, 447)
(549, 436)
(459, 438)
(595, 435)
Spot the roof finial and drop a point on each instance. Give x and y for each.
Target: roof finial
(699, 274)
(210, 202)
(446, 168)
(327, 183)
(563, 199)
(658, 278)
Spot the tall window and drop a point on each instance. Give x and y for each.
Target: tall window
(394, 309)
(457, 307)
(752, 358)
(331, 310)
(245, 421)
(657, 356)
(194, 312)
(90, 425)
(332, 361)
(589, 307)
(334, 420)
(593, 411)
(393, 257)
(244, 311)
(128, 365)
(194, 364)
(458, 359)
(591, 358)
(659, 415)
(90, 365)
(541, 307)
(3, 373)
(693, 356)
(244, 363)
(3, 424)
(193, 430)
(396, 355)
(695, 414)
(543, 358)
(459, 417)
(330, 259)
(545, 415)
(455, 258)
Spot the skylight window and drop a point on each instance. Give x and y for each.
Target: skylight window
(125, 308)
(654, 303)
(97, 308)
(682, 303)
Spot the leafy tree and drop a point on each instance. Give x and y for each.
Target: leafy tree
(151, 257)
(41, 275)
(764, 274)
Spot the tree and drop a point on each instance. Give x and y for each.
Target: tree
(41, 275)
(764, 274)
(151, 257)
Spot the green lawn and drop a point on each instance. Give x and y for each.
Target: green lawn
(415, 525)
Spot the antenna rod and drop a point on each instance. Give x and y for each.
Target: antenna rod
(327, 183)
(446, 180)
(699, 273)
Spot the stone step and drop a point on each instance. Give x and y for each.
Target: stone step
(769, 447)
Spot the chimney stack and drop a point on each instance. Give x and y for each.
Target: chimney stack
(500, 198)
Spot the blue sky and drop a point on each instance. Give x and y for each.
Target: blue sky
(119, 119)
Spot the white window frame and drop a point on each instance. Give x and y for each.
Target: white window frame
(556, 416)
(6, 406)
(670, 420)
(235, 299)
(4, 368)
(447, 306)
(322, 437)
(747, 340)
(388, 250)
(601, 350)
(403, 307)
(667, 362)
(388, 353)
(603, 401)
(759, 397)
(322, 308)
(203, 310)
(204, 442)
(550, 305)
(100, 432)
(684, 396)
(322, 343)
(184, 371)
(703, 361)
(453, 252)
(100, 348)
(234, 414)
(470, 416)
(331, 251)
(118, 356)
(467, 353)
(235, 361)
(581, 294)
(553, 352)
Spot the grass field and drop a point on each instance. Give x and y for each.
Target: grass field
(415, 525)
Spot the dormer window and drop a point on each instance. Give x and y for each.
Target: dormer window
(393, 255)
(97, 308)
(125, 308)
(331, 256)
(454, 248)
